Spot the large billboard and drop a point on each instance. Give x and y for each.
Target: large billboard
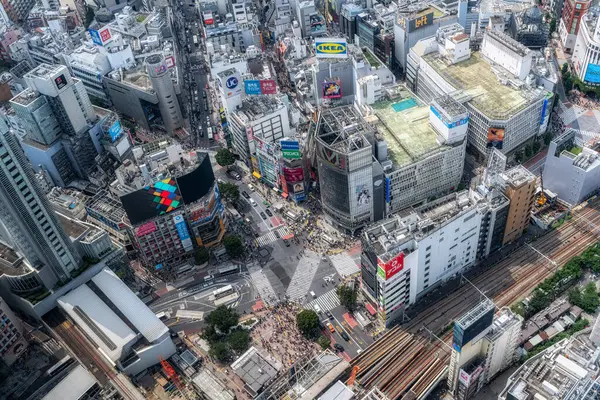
(268, 86)
(411, 25)
(154, 200)
(252, 86)
(317, 24)
(100, 37)
(145, 229)
(293, 174)
(183, 232)
(332, 90)
(592, 74)
(231, 84)
(115, 131)
(495, 137)
(331, 48)
(334, 158)
(387, 270)
(223, 117)
(463, 337)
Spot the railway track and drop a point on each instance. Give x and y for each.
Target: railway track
(404, 362)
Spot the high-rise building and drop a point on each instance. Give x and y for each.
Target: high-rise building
(586, 55)
(28, 217)
(12, 342)
(160, 76)
(15, 11)
(571, 21)
(519, 186)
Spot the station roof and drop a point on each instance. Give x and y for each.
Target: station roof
(73, 386)
(98, 321)
(476, 78)
(140, 316)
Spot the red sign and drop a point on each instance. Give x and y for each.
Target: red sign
(105, 35)
(145, 229)
(268, 86)
(293, 174)
(393, 266)
(170, 61)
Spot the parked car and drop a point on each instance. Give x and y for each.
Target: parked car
(269, 213)
(234, 175)
(246, 195)
(277, 234)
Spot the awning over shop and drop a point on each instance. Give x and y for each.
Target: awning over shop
(371, 309)
(256, 175)
(284, 195)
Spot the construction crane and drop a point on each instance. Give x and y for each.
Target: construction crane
(541, 200)
(172, 375)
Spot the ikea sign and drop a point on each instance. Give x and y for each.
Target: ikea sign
(331, 48)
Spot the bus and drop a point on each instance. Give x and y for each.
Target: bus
(209, 129)
(196, 40)
(59, 366)
(232, 269)
(222, 292)
(291, 215)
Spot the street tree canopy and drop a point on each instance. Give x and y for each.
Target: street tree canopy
(233, 246)
(347, 296)
(201, 255)
(307, 322)
(239, 340)
(223, 318)
(230, 191)
(224, 157)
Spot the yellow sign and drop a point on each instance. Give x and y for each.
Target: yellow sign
(331, 48)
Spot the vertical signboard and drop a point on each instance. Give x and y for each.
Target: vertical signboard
(388, 190)
(183, 233)
(250, 134)
(115, 131)
(387, 270)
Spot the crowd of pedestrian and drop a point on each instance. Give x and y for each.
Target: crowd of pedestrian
(583, 101)
(278, 334)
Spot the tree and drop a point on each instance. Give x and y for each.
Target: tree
(519, 156)
(239, 340)
(564, 68)
(347, 296)
(307, 322)
(553, 27)
(224, 157)
(568, 83)
(589, 298)
(233, 246)
(547, 138)
(210, 334)
(223, 318)
(201, 255)
(575, 296)
(230, 191)
(536, 146)
(324, 342)
(219, 350)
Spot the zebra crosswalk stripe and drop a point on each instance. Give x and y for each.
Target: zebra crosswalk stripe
(326, 301)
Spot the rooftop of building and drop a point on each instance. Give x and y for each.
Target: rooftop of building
(138, 77)
(76, 383)
(343, 129)
(256, 107)
(495, 7)
(71, 227)
(565, 370)
(46, 71)
(11, 263)
(109, 206)
(212, 386)
(404, 125)
(517, 176)
(477, 78)
(254, 369)
(26, 97)
(411, 11)
(504, 319)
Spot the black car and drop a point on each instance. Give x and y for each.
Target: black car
(338, 347)
(277, 234)
(329, 315)
(345, 336)
(269, 213)
(286, 242)
(234, 174)
(246, 195)
(263, 216)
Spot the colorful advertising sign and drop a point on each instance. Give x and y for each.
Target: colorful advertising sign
(464, 378)
(293, 174)
(100, 37)
(332, 90)
(387, 270)
(592, 74)
(145, 229)
(223, 117)
(60, 81)
(298, 187)
(250, 134)
(231, 84)
(115, 131)
(170, 60)
(252, 87)
(416, 23)
(105, 35)
(95, 36)
(336, 159)
(331, 48)
(388, 190)
(208, 18)
(183, 232)
(495, 137)
(291, 154)
(289, 144)
(544, 107)
(268, 86)
(317, 24)
(450, 125)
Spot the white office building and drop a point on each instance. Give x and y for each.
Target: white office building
(126, 333)
(573, 177)
(586, 53)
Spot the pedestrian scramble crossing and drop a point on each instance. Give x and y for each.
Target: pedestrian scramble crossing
(344, 264)
(270, 237)
(327, 301)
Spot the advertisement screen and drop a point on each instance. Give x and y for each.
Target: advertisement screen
(387, 270)
(95, 36)
(317, 24)
(495, 137)
(289, 144)
(291, 154)
(268, 86)
(60, 81)
(592, 75)
(298, 187)
(115, 131)
(293, 174)
(153, 200)
(334, 158)
(331, 48)
(231, 84)
(250, 134)
(420, 22)
(332, 90)
(252, 87)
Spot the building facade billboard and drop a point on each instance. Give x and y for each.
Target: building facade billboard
(252, 87)
(291, 154)
(332, 90)
(387, 270)
(289, 144)
(415, 23)
(101, 36)
(182, 231)
(592, 74)
(317, 24)
(145, 229)
(115, 131)
(170, 61)
(231, 84)
(293, 174)
(332, 157)
(268, 86)
(495, 137)
(331, 48)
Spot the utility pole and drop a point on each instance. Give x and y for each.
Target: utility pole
(554, 263)
(435, 336)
